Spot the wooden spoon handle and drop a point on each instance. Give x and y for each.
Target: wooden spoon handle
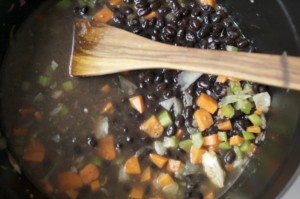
(103, 49)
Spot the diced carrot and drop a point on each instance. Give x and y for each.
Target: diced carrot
(225, 126)
(251, 150)
(212, 3)
(258, 111)
(38, 116)
(221, 79)
(108, 108)
(24, 112)
(104, 15)
(34, 151)
(20, 131)
(106, 148)
(95, 185)
(137, 192)
(146, 175)
(196, 155)
(164, 179)
(137, 103)
(69, 180)
(105, 88)
(47, 187)
(174, 165)
(211, 140)
(115, 2)
(236, 140)
(209, 195)
(207, 102)
(254, 129)
(132, 165)
(158, 160)
(229, 167)
(72, 194)
(179, 133)
(203, 118)
(151, 15)
(152, 127)
(234, 79)
(89, 173)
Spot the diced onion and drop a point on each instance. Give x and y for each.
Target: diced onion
(159, 147)
(187, 99)
(172, 102)
(190, 168)
(171, 189)
(186, 78)
(232, 99)
(101, 129)
(127, 86)
(262, 101)
(54, 65)
(177, 107)
(123, 176)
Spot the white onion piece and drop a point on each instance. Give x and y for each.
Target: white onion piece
(159, 147)
(190, 168)
(262, 101)
(127, 86)
(171, 189)
(54, 65)
(213, 169)
(186, 78)
(232, 99)
(168, 103)
(187, 99)
(123, 176)
(101, 129)
(177, 106)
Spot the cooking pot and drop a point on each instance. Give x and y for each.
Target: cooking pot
(274, 28)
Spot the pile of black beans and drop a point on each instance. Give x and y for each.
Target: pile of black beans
(182, 23)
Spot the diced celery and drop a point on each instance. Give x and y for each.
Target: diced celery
(97, 161)
(245, 147)
(170, 142)
(224, 146)
(248, 136)
(197, 140)
(165, 119)
(231, 48)
(255, 119)
(228, 111)
(44, 80)
(68, 86)
(186, 145)
(238, 152)
(222, 136)
(63, 4)
(89, 3)
(243, 105)
(235, 86)
(63, 109)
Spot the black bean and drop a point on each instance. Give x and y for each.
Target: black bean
(143, 11)
(174, 5)
(168, 33)
(143, 5)
(128, 10)
(212, 45)
(128, 1)
(152, 22)
(163, 10)
(171, 130)
(149, 77)
(81, 10)
(168, 77)
(179, 121)
(208, 9)
(190, 36)
(229, 157)
(118, 20)
(207, 19)
(220, 91)
(92, 141)
(142, 85)
(151, 97)
(183, 23)
(145, 24)
(168, 94)
(191, 186)
(124, 130)
(155, 5)
(222, 13)
(188, 112)
(195, 12)
(227, 22)
(181, 33)
(119, 145)
(77, 149)
(137, 30)
(161, 87)
(216, 18)
(129, 139)
(204, 31)
(195, 23)
(243, 43)
(262, 88)
(233, 34)
(160, 23)
(204, 83)
(133, 22)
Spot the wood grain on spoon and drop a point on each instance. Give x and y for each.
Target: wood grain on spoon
(102, 49)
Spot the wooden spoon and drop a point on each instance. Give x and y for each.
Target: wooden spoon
(102, 49)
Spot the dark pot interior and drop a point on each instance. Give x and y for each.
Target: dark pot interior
(273, 26)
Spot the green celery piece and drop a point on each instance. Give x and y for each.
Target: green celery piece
(186, 145)
(248, 136)
(165, 119)
(68, 86)
(244, 148)
(235, 86)
(89, 3)
(231, 48)
(238, 152)
(222, 136)
(64, 4)
(228, 111)
(97, 161)
(244, 105)
(255, 119)
(63, 109)
(224, 146)
(170, 142)
(197, 140)
(44, 80)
